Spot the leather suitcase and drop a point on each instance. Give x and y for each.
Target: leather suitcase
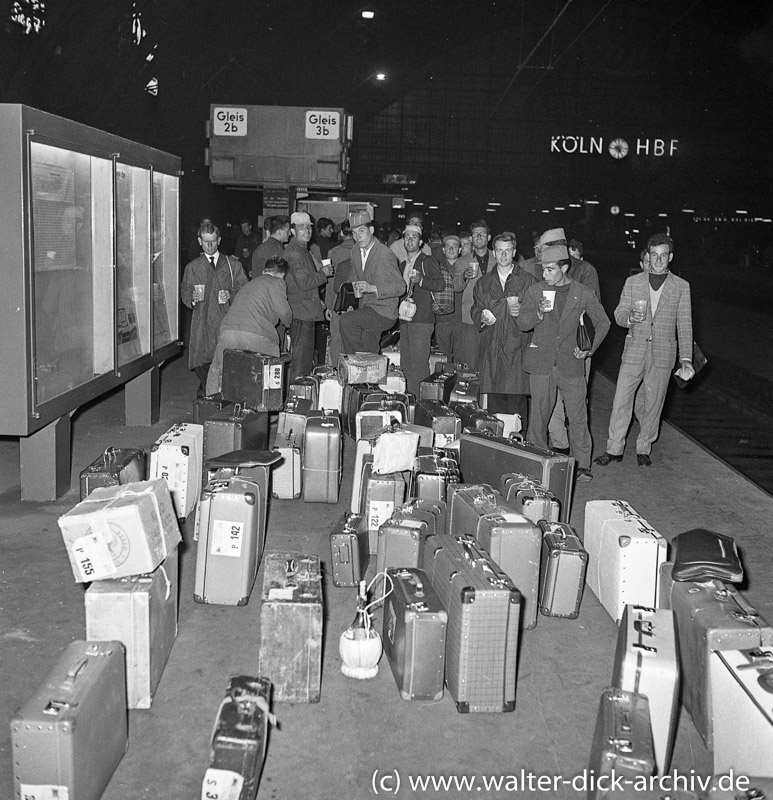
(431, 476)
(178, 457)
(528, 497)
(742, 709)
(406, 398)
(379, 495)
(234, 429)
(361, 368)
(322, 459)
(476, 418)
(515, 544)
(117, 465)
(370, 422)
(294, 416)
(710, 616)
(467, 503)
(306, 388)
(253, 380)
(465, 391)
(141, 613)
(700, 555)
(647, 662)
(363, 454)
(286, 477)
(349, 550)
(622, 740)
(483, 458)
(354, 395)
(437, 386)
(291, 614)
(239, 740)
(401, 541)
(434, 414)
(562, 571)
(433, 512)
(484, 610)
(415, 635)
(70, 736)
(205, 407)
(624, 556)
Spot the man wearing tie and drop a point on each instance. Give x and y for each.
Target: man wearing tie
(378, 283)
(209, 284)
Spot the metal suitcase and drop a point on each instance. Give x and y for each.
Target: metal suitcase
(434, 414)
(483, 458)
(370, 421)
(624, 556)
(433, 512)
(437, 386)
(295, 415)
(528, 497)
(710, 616)
(322, 459)
(253, 380)
(484, 610)
(115, 466)
(141, 613)
(379, 495)
(354, 395)
(178, 457)
(205, 407)
(306, 388)
(70, 736)
(239, 740)
(286, 477)
(622, 740)
(431, 476)
(476, 418)
(515, 544)
(562, 571)
(400, 541)
(234, 429)
(406, 398)
(647, 662)
(415, 635)
(467, 503)
(349, 550)
(291, 613)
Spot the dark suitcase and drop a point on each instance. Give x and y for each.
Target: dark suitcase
(484, 458)
(700, 555)
(306, 388)
(253, 380)
(437, 386)
(290, 654)
(434, 414)
(465, 391)
(415, 635)
(484, 610)
(563, 566)
(433, 512)
(467, 502)
(477, 418)
(322, 459)
(205, 407)
(117, 465)
(349, 550)
(528, 497)
(234, 429)
(354, 397)
(431, 476)
(380, 495)
(622, 740)
(401, 541)
(69, 737)
(239, 738)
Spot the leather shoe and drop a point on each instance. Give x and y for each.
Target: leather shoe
(564, 451)
(643, 460)
(583, 474)
(606, 459)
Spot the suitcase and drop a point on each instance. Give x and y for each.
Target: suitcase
(483, 608)
(436, 361)
(415, 635)
(69, 737)
(483, 458)
(515, 544)
(205, 407)
(393, 355)
(437, 386)
(727, 787)
(406, 398)
(379, 495)
(331, 393)
(370, 422)
(528, 497)
(433, 512)
(710, 616)
(467, 503)
(349, 550)
(700, 555)
(141, 613)
(622, 740)
(394, 382)
(115, 466)
(647, 662)
(239, 740)
(353, 397)
(465, 391)
(253, 380)
(235, 429)
(624, 556)
(322, 459)
(476, 418)
(306, 388)
(286, 480)
(400, 541)
(363, 454)
(562, 571)
(295, 415)
(361, 368)
(178, 457)
(290, 654)
(426, 435)
(434, 414)
(431, 476)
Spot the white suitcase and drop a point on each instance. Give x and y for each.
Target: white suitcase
(647, 662)
(363, 453)
(393, 355)
(368, 423)
(178, 457)
(624, 556)
(742, 708)
(331, 394)
(140, 612)
(286, 476)
(395, 381)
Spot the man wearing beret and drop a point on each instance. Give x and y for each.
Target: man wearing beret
(378, 283)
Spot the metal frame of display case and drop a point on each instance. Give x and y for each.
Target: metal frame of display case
(43, 424)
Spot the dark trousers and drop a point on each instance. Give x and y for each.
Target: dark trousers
(302, 335)
(447, 335)
(361, 330)
(501, 403)
(202, 373)
(414, 353)
(468, 346)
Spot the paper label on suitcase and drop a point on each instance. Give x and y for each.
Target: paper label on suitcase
(44, 792)
(272, 376)
(92, 555)
(227, 538)
(379, 511)
(221, 784)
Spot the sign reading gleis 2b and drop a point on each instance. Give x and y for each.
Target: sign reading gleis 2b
(323, 125)
(229, 121)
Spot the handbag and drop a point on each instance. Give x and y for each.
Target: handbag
(346, 299)
(407, 309)
(699, 361)
(586, 333)
(443, 301)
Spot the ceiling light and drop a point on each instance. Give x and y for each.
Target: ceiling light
(368, 14)
(492, 203)
(560, 208)
(741, 211)
(591, 202)
(574, 205)
(688, 210)
(380, 76)
(662, 215)
(435, 207)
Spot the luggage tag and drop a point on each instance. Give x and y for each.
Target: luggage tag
(221, 784)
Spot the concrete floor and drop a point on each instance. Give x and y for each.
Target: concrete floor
(359, 730)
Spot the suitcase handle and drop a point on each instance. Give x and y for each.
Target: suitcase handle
(75, 669)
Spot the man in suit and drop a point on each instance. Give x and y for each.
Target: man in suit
(378, 283)
(278, 235)
(340, 254)
(655, 307)
(553, 359)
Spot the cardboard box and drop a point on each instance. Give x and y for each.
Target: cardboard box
(120, 531)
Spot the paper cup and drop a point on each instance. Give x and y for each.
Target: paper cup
(641, 306)
(474, 265)
(198, 291)
(550, 296)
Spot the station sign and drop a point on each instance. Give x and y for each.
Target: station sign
(323, 125)
(615, 146)
(229, 121)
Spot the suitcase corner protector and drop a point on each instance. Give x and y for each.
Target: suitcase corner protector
(463, 707)
(510, 706)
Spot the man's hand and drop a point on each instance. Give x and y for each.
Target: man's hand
(223, 296)
(686, 371)
(329, 270)
(581, 353)
(363, 287)
(487, 318)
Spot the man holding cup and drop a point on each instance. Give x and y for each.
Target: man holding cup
(552, 309)
(655, 306)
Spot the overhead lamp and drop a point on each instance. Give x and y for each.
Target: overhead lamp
(575, 205)
(380, 76)
(592, 202)
(433, 207)
(492, 203)
(545, 210)
(629, 214)
(368, 14)
(741, 211)
(560, 208)
(417, 203)
(688, 210)
(662, 215)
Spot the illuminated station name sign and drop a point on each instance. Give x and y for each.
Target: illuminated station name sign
(616, 147)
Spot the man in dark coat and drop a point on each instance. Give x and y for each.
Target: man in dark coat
(502, 342)
(278, 234)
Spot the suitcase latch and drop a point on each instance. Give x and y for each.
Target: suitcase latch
(418, 605)
(621, 745)
(55, 707)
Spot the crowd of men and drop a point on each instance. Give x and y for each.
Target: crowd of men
(513, 320)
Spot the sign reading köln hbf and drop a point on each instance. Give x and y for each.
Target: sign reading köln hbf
(616, 147)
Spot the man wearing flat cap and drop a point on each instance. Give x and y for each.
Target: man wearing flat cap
(303, 282)
(378, 283)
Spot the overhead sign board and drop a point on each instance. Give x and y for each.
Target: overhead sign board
(323, 125)
(229, 121)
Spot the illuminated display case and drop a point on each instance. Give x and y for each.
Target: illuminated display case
(89, 265)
